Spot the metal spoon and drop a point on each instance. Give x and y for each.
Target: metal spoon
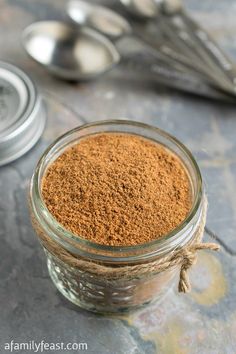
(189, 33)
(85, 54)
(151, 9)
(100, 18)
(115, 26)
(67, 53)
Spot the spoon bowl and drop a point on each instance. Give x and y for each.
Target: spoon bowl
(142, 8)
(171, 7)
(69, 53)
(100, 18)
(151, 8)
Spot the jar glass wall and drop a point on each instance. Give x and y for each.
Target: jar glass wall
(94, 292)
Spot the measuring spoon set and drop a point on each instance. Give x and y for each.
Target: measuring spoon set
(180, 53)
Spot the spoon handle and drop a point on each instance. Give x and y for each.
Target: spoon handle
(153, 70)
(212, 48)
(161, 52)
(173, 59)
(215, 56)
(157, 35)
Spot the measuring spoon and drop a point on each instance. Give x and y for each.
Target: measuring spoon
(115, 26)
(86, 54)
(67, 53)
(196, 39)
(149, 9)
(183, 38)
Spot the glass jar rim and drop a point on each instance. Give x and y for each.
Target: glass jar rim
(35, 188)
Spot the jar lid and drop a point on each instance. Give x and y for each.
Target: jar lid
(22, 113)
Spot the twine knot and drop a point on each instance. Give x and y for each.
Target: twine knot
(189, 258)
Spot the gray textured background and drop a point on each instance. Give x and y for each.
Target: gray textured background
(31, 308)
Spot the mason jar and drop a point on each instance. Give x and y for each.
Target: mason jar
(93, 291)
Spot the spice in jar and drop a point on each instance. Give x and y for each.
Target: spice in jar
(118, 189)
(123, 184)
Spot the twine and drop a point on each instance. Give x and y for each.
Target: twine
(184, 257)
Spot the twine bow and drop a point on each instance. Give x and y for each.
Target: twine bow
(189, 258)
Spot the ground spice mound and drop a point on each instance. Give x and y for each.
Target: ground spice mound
(117, 189)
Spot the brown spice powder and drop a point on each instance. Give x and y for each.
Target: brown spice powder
(117, 189)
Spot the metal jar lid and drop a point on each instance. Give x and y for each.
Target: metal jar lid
(22, 113)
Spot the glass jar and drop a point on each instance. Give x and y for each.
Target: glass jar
(93, 292)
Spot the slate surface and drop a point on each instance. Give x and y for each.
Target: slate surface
(31, 308)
